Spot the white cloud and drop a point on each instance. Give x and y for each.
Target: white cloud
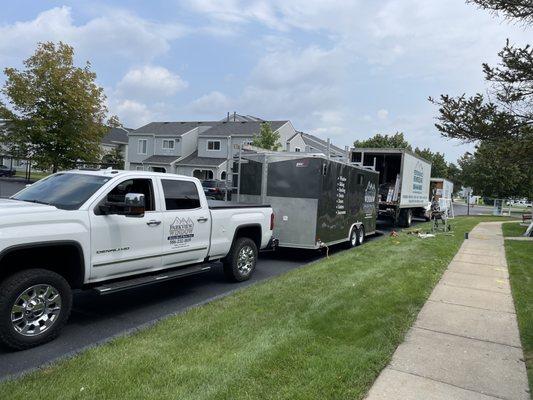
(118, 33)
(382, 114)
(150, 82)
(133, 113)
(214, 103)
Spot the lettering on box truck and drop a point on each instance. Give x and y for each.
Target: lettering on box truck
(415, 181)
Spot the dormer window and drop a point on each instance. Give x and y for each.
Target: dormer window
(168, 144)
(213, 145)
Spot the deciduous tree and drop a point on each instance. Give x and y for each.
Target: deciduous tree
(55, 110)
(396, 141)
(490, 174)
(267, 139)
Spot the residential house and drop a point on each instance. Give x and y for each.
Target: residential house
(209, 161)
(307, 143)
(158, 146)
(116, 138)
(201, 149)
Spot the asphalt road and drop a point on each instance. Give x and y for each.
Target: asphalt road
(9, 187)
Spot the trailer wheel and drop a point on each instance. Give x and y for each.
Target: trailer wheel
(406, 216)
(361, 235)
(239, 264)
(354, 237)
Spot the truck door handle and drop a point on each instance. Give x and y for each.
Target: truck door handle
(202, 219)
(153, 223)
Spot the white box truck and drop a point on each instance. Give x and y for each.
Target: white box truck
(441, 188)
(404, 179)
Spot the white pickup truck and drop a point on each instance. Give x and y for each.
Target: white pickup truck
(108, 231)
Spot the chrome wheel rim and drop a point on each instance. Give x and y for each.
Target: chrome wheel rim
(353, 238)
(361, 236)
(245, 261)
(36, 310)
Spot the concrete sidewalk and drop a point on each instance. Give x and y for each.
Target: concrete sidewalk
(465, 342)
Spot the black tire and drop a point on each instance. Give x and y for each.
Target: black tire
(235, 272)
(16, 285)
(406, 215)
(360, 235)
(353, 239)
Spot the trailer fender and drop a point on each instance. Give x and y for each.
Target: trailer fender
(357, 225)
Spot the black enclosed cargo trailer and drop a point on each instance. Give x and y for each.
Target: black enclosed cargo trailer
(317, 202)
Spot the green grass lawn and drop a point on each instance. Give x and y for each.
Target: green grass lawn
(35, 176)
(323, 331)
(513, 229)
(520, 262)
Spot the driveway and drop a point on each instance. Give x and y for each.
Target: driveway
(10, 186)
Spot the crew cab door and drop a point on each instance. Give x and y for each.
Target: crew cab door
(186, 222)
(123, 245)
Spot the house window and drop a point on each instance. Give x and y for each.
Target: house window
(168, 144)
(139, 168)
(223, 175)
(213, 145)
(142, 145)
(297, 149)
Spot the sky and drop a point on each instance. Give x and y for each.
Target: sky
(339, 69)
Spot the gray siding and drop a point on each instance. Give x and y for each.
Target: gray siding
(203, 152)
(297, 141)
(286, 132)
(133, 156)
(159, 151)
(189, 141)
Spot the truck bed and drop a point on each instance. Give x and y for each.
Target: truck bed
(220, 204)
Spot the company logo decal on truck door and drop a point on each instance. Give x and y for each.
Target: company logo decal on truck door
(181, 232)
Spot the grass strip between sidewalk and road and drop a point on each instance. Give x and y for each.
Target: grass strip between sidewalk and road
(323, 331)
(520, 263)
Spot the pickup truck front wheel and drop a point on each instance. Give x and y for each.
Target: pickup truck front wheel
(34, 306)
(241, 260)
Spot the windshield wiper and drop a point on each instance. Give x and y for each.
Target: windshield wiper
(37, 201)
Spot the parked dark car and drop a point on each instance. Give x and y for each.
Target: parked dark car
(215, 190)
(6, 171)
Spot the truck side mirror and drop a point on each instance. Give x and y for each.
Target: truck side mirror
(134, 205)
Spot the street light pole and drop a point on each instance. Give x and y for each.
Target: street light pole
(468, 203)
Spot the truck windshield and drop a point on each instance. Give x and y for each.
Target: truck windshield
(65, 191)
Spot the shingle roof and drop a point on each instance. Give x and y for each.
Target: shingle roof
(319, 144)
(241, 118)
(160, 159)
(172, 128)
(116, 135)
(244, 128)
(194, 160)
